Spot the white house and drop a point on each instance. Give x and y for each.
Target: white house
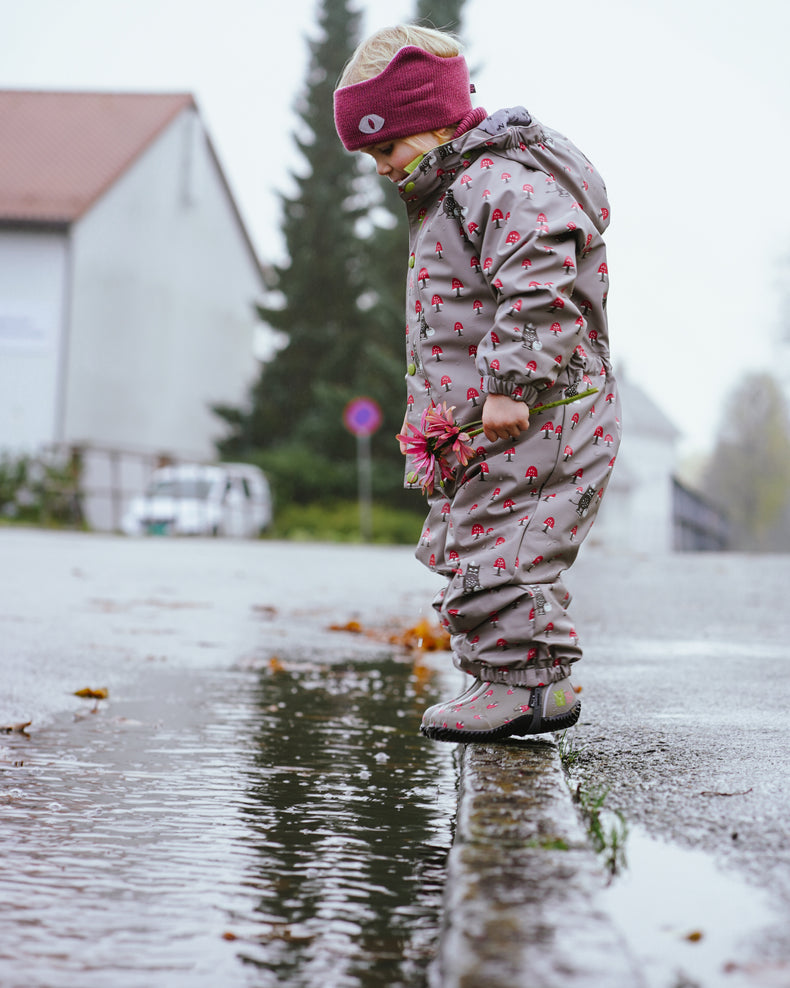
(127, 279)
(637, 512)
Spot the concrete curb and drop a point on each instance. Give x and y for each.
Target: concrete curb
(522, 881)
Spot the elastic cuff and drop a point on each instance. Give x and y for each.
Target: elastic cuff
(532, 676)
(503, 386)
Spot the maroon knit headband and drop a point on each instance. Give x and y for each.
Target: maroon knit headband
(416, 93)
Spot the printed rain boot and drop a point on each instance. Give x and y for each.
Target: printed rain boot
(492, 711)
(438, 712)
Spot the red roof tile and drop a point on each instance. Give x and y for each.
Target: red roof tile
(59, 151)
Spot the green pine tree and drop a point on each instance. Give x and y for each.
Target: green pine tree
(336, 348)
(338, 300)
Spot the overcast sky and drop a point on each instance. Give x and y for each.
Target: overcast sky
(683, 105)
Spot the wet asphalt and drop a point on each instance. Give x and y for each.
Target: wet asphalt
(684, 739)
(687, 690)
(686, 725)
(684, 729)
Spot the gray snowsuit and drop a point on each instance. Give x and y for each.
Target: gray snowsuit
(506, 294)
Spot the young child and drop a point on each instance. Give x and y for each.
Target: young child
(506, 309)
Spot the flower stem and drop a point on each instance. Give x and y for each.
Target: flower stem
(539, 408)
(564, 401)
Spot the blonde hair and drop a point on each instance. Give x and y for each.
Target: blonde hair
(374, 55)
(419, 142)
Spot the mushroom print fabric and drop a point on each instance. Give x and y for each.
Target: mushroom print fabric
(506, 294)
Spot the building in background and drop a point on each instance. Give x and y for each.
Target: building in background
(127, 284)
(646, 508)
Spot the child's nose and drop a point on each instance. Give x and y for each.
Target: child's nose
(383, 167)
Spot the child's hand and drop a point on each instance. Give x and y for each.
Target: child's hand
(504, 417)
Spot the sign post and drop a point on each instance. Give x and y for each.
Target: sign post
(362, 417)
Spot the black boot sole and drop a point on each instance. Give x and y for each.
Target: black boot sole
(520, 727)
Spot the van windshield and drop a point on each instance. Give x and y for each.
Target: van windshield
(193, 488)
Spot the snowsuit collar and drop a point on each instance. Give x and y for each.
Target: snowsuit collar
(511, 132)
(439, 167)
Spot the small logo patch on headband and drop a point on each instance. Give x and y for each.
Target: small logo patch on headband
(371, 123)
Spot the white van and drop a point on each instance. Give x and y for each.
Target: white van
(190, 499)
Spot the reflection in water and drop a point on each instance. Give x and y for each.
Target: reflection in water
(226, 830)
(352, 813)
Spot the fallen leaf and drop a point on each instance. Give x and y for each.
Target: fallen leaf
(707, 792)
(16, 728)
(769, 972)
(93, 694)
(275, 665)
(290, 932)
(423, 637)
(353, 626)
(695, 936)
(227, 935)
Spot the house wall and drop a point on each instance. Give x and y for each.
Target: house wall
(162, 323)
(637, 511)
(33, 274)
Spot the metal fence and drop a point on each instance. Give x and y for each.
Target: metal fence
(84, 485)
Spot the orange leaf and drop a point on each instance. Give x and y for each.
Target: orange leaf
(424, 637)
(353, 626)
(93, 694)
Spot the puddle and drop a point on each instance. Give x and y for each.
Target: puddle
(352, 815)
(687, 923)
(228, 828)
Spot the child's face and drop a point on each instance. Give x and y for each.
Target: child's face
(392, 157)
